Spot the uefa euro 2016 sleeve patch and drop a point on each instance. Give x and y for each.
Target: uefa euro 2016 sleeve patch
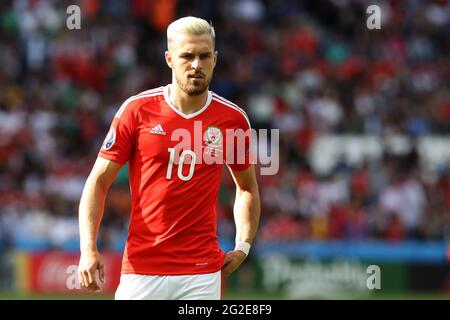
(110, 139)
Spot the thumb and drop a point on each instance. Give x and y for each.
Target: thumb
(227, 260)
(101, 272)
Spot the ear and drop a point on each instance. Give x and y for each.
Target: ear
(215, 57)
(168, 57)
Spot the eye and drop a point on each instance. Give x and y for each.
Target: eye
(187, 56)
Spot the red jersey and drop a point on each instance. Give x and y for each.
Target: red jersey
(173, 224)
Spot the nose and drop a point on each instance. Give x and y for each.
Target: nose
(195, 63)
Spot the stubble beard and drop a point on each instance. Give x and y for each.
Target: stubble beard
(191, 89)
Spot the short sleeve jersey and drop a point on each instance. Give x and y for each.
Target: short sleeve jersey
(175, 165)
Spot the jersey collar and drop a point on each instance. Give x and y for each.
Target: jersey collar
(186, 116)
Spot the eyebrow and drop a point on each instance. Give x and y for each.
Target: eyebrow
(191, 53)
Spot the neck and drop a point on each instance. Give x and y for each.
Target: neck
(185, 103)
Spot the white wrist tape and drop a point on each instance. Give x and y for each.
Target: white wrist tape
(244, 247)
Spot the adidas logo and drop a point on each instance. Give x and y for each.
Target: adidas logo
(158, 129)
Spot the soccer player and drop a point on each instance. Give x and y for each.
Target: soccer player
(169, 136)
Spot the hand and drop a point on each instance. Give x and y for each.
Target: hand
(233, 260)
(90, 262)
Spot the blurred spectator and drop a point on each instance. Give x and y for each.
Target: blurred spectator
(308, 69)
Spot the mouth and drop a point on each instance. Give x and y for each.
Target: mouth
(196, 76)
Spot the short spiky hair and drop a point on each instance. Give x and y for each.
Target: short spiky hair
(189, 25)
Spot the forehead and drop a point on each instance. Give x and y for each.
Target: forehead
(192, 43)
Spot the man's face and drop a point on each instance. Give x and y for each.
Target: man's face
(192, 59)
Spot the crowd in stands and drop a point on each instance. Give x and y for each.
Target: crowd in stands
(307, 68)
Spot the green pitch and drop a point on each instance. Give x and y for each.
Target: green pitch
(228, 296)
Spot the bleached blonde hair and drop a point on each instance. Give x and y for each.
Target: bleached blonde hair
(189, 25)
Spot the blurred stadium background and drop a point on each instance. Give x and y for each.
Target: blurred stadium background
(364, 119)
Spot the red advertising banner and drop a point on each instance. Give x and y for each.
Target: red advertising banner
(56, 272)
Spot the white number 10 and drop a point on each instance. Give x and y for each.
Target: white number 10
(180, 165)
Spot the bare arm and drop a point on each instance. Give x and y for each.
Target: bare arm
(247, 208)
(247, 205)
(90, 214)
